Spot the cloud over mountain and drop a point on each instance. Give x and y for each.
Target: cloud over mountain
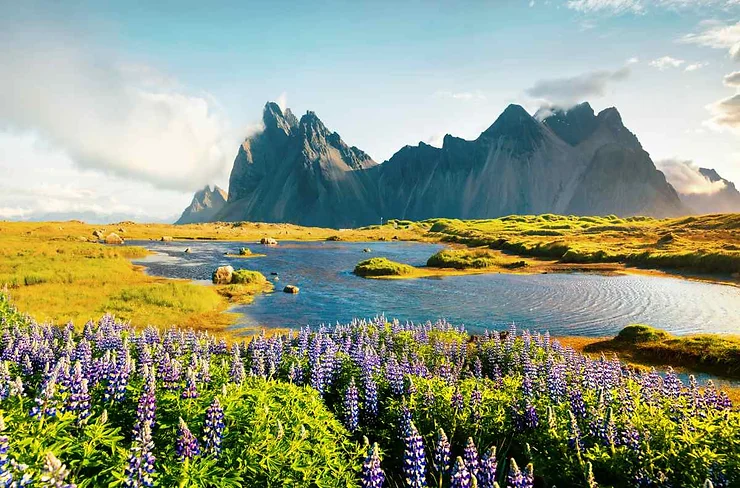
(565, 92)
(686, 178)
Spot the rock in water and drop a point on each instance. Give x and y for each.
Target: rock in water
(206, 203)
(268, 241)
(166, 238)
(291, 289)
(223, 275)
(113, 238)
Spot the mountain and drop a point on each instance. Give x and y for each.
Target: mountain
(301, 172)
(206, 203)
(564, 161)
(725, 200)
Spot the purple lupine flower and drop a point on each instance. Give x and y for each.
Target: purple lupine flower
(457, 401)
(478, 368)
(79, 398)
(518, 478)
(139, 472)
(460, 476)
(488, 466)
(213, 428)
(147, 406)
(414, 460)
(470, 456)
(372, 475)
(574, 433)
(394, 376)
(187, 446)
(351, 408)
(237, 372)
(45, 401)
(577, 405)
(370, 396)
(191, 388)
(441, 457)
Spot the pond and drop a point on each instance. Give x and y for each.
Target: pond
(564, 304)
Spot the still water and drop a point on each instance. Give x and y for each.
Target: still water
(564, 304)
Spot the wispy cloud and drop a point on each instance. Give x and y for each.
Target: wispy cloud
(732, 80)
(666, 62)
(568, 91)
(695, 66)
(465, 96)
(725, 113)
(617, 7)
(685, 177)
(107, 115)
(717, 35)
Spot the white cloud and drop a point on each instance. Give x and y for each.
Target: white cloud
(686, 178)
(465, 96)
(725, 113)
(118, 118)
(634, 60)
(695, 66)
(717, 35)
(666, 62)
(732, 80)
(616, 7)
(568, 91)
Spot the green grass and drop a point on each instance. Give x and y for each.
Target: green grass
(702, 352)
(246, 276)
(472, 259)
(382, 267)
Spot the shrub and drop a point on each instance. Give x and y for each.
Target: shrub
(246, 276)
(382, 267)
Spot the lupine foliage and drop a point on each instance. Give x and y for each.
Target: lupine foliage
(112, 405)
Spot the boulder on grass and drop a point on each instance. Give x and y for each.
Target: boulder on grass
(223, 275)
(166, 238)
(98, 234)
(291, 289)
(113, 238)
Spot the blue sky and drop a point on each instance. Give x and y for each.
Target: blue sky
(126, 109)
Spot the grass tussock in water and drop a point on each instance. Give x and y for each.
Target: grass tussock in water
(382, 267)
(473, 259)
(703, 352)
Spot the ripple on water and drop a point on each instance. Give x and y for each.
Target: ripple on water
(564, 304)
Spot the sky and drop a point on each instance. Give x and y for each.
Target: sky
(121, 110)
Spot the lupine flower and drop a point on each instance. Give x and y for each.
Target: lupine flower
(518, 478)
(6, 476)
(372, 475)
(470, 456)
(237, 366)
(370, 396)
(187, 445)
(139, 471)
(79, 398)
(414, 460)
(54, 473)
(488, 466)
(457, 401)
(441, 458)
(191, 388)
(460, 477)
(476, 398)
(351, 409)
(213, 428)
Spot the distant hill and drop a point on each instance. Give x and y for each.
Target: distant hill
(206, 203)
(568, 161)
(725, 200)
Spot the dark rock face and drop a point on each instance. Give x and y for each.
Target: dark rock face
(206, 203)
(572, 161)
(725, 200)
(299, 171)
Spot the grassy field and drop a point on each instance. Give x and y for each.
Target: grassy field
(707, 244)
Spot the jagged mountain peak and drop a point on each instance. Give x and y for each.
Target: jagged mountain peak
(710, 174)
(573, 125)
(204, 206)
(517, 128)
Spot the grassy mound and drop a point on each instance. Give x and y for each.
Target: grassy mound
(475, 259)
(246, 277)
(382, 267)
(640, 333)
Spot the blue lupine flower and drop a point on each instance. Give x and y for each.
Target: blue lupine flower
(488, 466)
(460, 476)
(414, 460)
(213, 428)
(518, 478)
(470, 456)
(187, 446)
(441, 458)
(351, 408)
(372, 475)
